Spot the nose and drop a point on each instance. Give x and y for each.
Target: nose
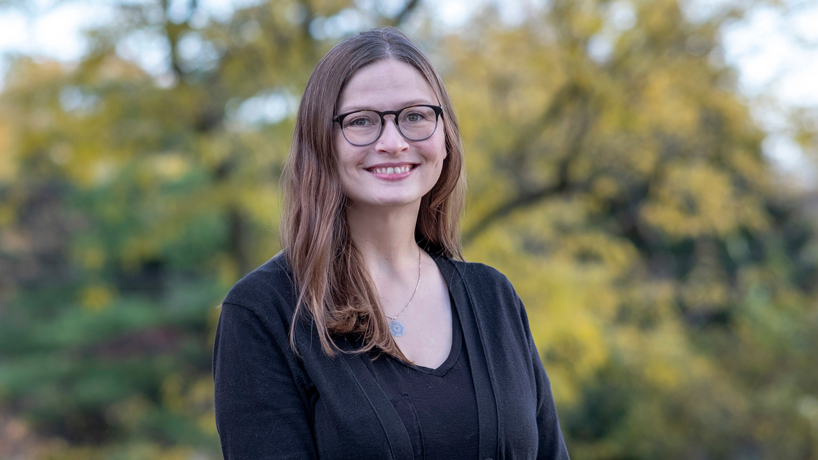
(391, 140)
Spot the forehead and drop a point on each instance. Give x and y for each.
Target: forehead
(386, 85)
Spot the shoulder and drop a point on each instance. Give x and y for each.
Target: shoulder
(268, 288)
(483, 277)
(487, 289)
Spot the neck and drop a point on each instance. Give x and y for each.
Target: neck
(385, 237)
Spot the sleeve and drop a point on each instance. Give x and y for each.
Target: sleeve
(260, 411)
(551, 445)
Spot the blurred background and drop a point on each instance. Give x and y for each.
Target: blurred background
(643, 171)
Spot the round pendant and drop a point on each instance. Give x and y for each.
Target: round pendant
(396, 328)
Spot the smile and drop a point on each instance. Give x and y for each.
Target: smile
(391, 169)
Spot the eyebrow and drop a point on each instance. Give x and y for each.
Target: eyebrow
(408, 103)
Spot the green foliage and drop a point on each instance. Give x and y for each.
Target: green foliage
(615, 174)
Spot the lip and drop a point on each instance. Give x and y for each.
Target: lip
(393, 176)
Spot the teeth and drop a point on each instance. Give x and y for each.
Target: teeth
(392, 170)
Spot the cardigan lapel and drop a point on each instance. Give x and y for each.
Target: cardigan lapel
(486, 402)
(396, 435)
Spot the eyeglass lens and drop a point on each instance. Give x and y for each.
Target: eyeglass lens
(364, 127)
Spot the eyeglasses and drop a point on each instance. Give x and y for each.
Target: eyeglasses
(364, 127)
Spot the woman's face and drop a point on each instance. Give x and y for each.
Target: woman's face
(393, 171)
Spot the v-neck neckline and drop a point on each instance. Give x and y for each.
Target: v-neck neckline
(455, 349)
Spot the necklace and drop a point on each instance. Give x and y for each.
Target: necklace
(396, 327)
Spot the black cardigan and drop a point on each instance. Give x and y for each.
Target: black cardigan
(271, 404)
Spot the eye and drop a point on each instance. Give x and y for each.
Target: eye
(413, 117)
(417, 115)
(360, 120)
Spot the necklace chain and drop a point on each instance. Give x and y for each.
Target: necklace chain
(395, 318)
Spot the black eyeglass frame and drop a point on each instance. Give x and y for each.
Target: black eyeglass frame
(340, 120)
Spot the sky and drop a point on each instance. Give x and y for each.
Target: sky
(776, 56)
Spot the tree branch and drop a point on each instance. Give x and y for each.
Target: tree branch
(173, 31)
(529, 198)
(522, 200)
(561, 98)
(405, 12)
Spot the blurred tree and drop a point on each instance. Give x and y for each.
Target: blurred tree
(135, 195)
(616, 176)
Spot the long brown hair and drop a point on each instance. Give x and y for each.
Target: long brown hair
(335, 289)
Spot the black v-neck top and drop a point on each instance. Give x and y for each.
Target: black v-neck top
(438, 407)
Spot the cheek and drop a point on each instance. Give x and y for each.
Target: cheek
(440, 156)
(441, 129)
(441, 141)
(341, 150)
(345, 158)
(441, 148)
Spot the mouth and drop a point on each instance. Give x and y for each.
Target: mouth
(387, 170)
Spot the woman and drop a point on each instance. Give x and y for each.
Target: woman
(367, 338)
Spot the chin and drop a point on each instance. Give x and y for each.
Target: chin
(385, 202)
(396, 203)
